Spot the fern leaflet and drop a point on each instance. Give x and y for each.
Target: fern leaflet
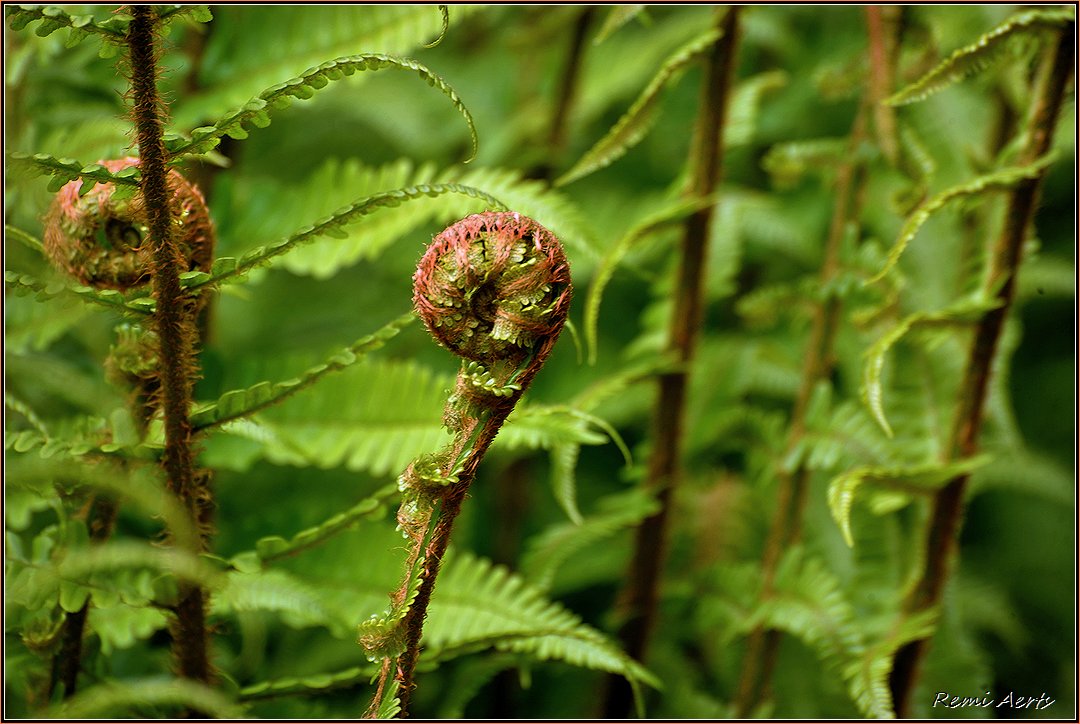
(1005, 178)
(671, 214)
(112, 699)
(23, 284)
(632, 127)
(966, 310)
(980, 54)
(618, 16)
(272, 548)
(547, 551)
(256, 112)
(916, 480)
(241, 403)
(63, 170)
(228, 268)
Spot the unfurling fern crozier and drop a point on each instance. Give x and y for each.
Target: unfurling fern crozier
(494, 289)
(98, 237)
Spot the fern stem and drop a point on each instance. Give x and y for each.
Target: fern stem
(881, 25)
(638, 600)
(174, 319)
(1006, 255)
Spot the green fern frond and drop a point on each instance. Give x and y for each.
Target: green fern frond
(1002, 179)
(478, 601)
(976, 57)
(24, 284)
(618, 16)
(788, 162)
(272, 548)
(54, 18)
(868, 676)
(964, 311)
(63, 170)
(564, 460)
(256, 112)
(548, 550)
(249, 52)
(139, 484)
(195, 13)
(307, 685)
(376, 416)
(229, 268)
(242, 403)
(743, 115)
(915, 480)
(299, 604)
(670, 214)
(112, 699)
(31, 584)
(444, 12)
(632, 127)
(543, 427)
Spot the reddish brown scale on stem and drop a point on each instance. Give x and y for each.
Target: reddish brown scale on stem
(100, 238)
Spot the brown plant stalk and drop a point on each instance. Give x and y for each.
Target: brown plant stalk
(638, 600)
(174, 323)
(947, 509)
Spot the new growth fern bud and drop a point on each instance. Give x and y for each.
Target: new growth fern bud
(494, 286)
(98, 236)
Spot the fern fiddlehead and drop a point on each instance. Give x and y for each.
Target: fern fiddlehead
(98, 236)
(494, 289)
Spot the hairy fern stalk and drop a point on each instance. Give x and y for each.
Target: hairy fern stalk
(494, 289)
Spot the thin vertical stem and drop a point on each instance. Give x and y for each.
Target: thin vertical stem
(638, 602)
(881, 24)
(944, 524)
(174, 321)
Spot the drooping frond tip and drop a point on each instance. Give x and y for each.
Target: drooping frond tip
(983, 52)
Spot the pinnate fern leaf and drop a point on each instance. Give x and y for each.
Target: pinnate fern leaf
(113, 699)
(871, 391)
(248, 52)
(913, 480)
(1002, 179)
(63, 170)
(549, 550)
(973, 58)
(241, 403)
(53, 18)
(632, 127)
(256, 112)
(478, 601)
(868, 675)
(313, 684)
(24, 284)
(272, 548)
(230, 268)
